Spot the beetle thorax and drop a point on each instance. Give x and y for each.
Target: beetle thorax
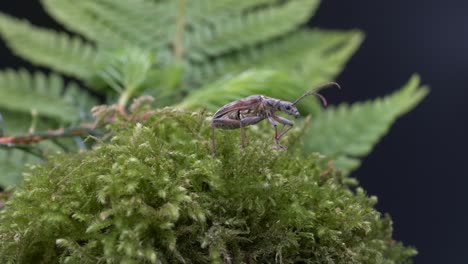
(270, 105)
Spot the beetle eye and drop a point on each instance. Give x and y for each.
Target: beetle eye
(288, 107)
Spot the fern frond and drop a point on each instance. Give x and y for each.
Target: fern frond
(314, 55)
(12, 165)
(367, 123)
(256, 27)
(14, 157)
(211, 28)
(13, 123)
(267, 82)
(12, 160)
(21, 91)
(69, 55)
(209, 10)
(116, 23)
(125, 71)
(80, 100)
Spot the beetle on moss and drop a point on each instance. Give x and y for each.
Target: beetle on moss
(255, 108)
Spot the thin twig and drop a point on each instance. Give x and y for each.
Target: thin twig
(108, 115)
(9, 141)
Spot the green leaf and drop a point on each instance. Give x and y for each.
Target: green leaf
(163, 83)
(13, 123)
(12, 165)
(21, 91)
(116, 23)
(348, 132)
(125, 70)
(69, 55)
(78, 98)
(12, 161)
(256, 27)
(271, 83)
(208, 28)
(209, 10)
(313, 55)
(214, 38)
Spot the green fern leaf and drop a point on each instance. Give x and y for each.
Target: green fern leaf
(267, 82)
(368, 122)
(209, 10)
(253, 28)
(152, 25)
(116, 23)
(12, 160)
(69, 55)
(314, 55)
(12, 165)
(80, 100)
(215, 37)
(12, 123)
(21, 91)
(125, 70)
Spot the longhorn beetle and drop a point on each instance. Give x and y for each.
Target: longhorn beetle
(253, 109)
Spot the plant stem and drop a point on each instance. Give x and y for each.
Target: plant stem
(34, 118)
(178, 43)
(124, 97)
(14, 141)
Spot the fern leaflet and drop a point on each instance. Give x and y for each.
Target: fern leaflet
(116, 23)
(208, 10)
(69, 55)
(253, 28)
(367, 123)
(314, 55)
(39, 92)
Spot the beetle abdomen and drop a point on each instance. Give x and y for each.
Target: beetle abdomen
(225, 124)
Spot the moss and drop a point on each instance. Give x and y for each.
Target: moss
(155, 194)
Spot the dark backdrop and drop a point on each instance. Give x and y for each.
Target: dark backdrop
(418, 169)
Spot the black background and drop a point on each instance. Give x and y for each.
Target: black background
(418, 170)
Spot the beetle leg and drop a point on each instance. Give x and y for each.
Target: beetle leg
(251, 120)
(242, 135)
(233, 123)
(274, 124)
(276, 138)
(285, 123)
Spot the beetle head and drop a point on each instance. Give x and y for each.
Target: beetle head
(289, 108)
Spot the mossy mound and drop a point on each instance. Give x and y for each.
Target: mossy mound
(155, 194)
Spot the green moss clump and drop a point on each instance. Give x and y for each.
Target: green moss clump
(155, 194)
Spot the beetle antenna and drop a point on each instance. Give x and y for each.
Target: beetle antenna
(313, 91)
